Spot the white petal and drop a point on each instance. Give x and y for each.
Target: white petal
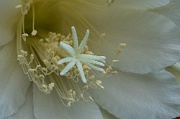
(141, 4)
(124, 21)
(131, 96)
(51, 107)
(9, 16)
(91, 11)
(107, 115)
(13, 83)
(152, 40)
(26, 111)
(171, 11)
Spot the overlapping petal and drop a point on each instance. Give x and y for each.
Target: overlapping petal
(132, 96)
(152, 44)
(170, 11)
(9, 17)
(13, 82)
(26, 111)
(152, 40)
(123, 22)
(127, 22)
(141, 4)
(107, 115)
(50, 107)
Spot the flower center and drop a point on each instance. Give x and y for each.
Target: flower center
(53, 60)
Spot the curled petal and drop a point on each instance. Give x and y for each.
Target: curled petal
(132, 96)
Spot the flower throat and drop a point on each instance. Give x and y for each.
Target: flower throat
(55, 61)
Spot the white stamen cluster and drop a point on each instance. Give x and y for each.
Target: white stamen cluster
(76, 58)
(37, 74)
(25, 7)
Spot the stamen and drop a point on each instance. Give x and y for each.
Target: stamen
(45, 59)
(18, 6)
(34, 32)
(91, 98)
(115, 61)
(24, 35)
(120, 47)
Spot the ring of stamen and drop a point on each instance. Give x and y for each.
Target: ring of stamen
(58, 62)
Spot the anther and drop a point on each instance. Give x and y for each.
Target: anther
(51, 85)
(18, 6)
(85, 88)
(91, 77)
(118, 51)
(54, 60)
(45, 88)
(99, 82)
(31, 70)
(24, 35)
(46, 62)
(108, 69)
(114, 72)
(81, 97)
(91, 98)
(122, 45)
(27, 8)
(31, 56)
(42, 77)
(20, 56)
(69, 104)
(34, 32)
(115, 61)
(71, 99)
(74, 94)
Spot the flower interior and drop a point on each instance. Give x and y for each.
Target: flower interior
(52, 60)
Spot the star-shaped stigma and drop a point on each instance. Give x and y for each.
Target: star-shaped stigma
(76, 58)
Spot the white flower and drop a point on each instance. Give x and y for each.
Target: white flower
(140, 90)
